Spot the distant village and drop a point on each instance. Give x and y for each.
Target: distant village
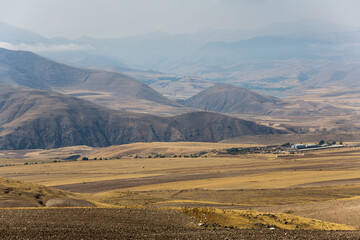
(285, 148)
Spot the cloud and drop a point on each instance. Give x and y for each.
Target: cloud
(45, 48)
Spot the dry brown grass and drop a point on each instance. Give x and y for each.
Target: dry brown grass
(168, 149)
(13, 190)
(252, 219)
(216, 171)
(345, 211)
(261, 181)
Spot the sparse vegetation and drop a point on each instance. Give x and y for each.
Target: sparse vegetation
(209, 217)
(265, 183)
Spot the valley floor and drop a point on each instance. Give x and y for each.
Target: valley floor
(139, 192)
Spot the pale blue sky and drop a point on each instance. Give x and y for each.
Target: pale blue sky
(118, 18)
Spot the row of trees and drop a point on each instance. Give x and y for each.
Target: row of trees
(330, 142)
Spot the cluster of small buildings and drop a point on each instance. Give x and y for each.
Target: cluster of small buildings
(303, 146)
(312, 146)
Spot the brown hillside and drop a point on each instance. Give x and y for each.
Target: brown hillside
(231, 99)
(237, 100)
(41, 119)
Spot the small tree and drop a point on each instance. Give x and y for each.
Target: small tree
(286, 145)
(321, 142)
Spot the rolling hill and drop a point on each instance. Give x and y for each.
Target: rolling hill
(230, 99)
(237, 100)
(41, 119)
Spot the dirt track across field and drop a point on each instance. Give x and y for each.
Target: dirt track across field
(85, 223)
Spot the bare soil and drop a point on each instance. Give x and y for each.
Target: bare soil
(97, 223)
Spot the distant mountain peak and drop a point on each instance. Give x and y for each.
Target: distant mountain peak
(230, 99)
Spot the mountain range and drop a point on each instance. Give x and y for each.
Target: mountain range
(281, 59)
(101, 102)
(42, 119)
(26, 69)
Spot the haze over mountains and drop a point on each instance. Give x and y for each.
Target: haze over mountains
(279, 62)
(42, 119)
(27, 69)
(282, 59)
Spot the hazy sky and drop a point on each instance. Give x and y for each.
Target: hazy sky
(118, 18)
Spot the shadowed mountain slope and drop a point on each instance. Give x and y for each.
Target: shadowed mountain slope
(40, 119)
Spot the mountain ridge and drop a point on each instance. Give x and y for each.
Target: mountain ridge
(28, 69)
(41, 119)
(229, 99)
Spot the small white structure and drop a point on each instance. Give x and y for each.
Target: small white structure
(312, 146)
(298, 146)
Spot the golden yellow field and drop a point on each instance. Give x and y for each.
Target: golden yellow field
(213, 170)
(306, 184)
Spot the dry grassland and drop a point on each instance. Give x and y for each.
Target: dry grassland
(17, 193)
(167, 149)
(253, 219)
(215, 171)
(340, 211)
(28, 194)
(302, 183)
(40, 156)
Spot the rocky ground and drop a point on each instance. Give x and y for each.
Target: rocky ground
(97, 223)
